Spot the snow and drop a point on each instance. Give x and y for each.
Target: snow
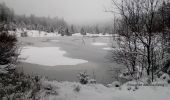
(99, 44)
(54, 40)
(66, 91)
(92, 35)
(48, 56)
(76, 34)
(98, 35)
(108, 48)
(35, 33)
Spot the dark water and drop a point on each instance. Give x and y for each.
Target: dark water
(98, 66)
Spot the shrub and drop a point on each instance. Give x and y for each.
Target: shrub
(13, 84)
(92, 81)
(8, 48)
(83, 78)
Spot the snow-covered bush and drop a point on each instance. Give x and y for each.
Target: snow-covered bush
(51, 90)
(8, 48)
(165, 77)
(127, 75)
(83, 78)
(15, 85)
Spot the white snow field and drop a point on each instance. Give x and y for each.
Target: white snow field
(48, 56)
(77, 91)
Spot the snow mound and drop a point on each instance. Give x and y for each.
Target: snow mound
(108, 48)
(99, 44)
(76, 34)
(34, 33)
(48, 56)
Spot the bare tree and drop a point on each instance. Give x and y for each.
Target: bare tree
(139, 36)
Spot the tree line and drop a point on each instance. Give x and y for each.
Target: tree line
(47, 24)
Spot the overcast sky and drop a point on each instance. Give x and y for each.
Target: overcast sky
(73, 11)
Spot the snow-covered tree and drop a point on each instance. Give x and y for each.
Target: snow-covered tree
(72, 29)
(139, 43)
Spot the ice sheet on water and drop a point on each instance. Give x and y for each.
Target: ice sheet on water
(48, 56)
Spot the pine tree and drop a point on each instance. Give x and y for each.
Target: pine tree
(72, 29)
(82, 31)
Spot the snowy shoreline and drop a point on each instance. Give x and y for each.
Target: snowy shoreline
(76, 91)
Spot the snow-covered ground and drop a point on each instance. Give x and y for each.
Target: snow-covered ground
(99, 44)
(93, 35)
(77, 91)
(49, 56)
(54, 40)
(108, 48)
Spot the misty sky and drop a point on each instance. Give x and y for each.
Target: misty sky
(73, 11)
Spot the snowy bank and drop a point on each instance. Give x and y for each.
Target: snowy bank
(76, 91)
(34, 33)
(48, 56)
(92, 35)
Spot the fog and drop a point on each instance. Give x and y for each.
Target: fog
(73, 11)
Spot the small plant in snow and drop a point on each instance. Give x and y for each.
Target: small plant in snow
(92, 81)
(77, 88)
(129, 88)
(50, 89)
(83, 78)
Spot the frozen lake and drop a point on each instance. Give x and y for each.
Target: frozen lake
(93, 53)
